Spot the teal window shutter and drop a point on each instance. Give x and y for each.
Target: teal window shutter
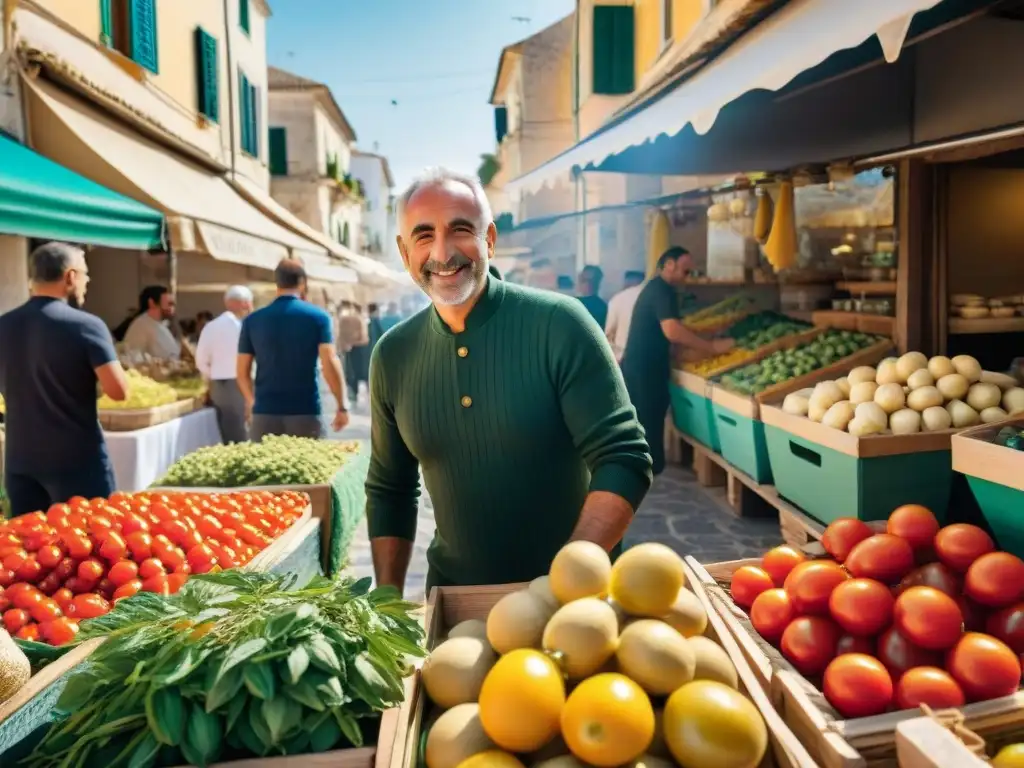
(500, 123)
(244, 108)
(278, 152)
(254, 127)
(106, 23)
(243, 15)
(143, 31)
(207, 75)
(613, 49)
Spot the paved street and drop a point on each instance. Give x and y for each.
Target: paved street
(676, 512)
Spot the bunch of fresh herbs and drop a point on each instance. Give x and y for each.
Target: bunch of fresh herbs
(237, 664)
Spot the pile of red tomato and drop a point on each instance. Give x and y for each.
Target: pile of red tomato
(916, 615)
(75, 560)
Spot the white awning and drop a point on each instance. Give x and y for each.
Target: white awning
(798, 37)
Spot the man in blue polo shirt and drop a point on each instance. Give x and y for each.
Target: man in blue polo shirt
(285, 340)
(51, 357)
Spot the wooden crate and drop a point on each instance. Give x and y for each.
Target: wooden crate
(865, 742)
(130, 420)
(926, 743)
(448, 606)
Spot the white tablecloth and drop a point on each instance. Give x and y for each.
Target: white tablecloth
(140, 458)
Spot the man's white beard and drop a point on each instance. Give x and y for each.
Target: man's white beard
(454, 295)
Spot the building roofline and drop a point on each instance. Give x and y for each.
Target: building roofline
(282, 81)
(383, 161)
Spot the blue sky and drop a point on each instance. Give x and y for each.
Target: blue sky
(435, 58)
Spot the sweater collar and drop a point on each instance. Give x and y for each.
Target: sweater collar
(482, 311)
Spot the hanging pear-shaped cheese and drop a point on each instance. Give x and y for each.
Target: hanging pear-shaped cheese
(781, 247)
(763, 217)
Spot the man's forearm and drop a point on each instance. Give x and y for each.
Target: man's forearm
(391, 556)
(244, 380)
(604, 519)
(683, 335)
(333, 374)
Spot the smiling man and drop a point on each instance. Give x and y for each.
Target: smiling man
(507, 398)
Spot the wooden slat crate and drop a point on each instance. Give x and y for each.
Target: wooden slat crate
(129, 420)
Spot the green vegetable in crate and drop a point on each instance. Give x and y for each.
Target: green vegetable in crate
(235, 665)
(829, 347)
(1010, 437)
(276, 460)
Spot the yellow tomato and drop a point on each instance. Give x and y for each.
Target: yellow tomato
(521, 701)
(491, 759)
(608, 720)
(710, 725)
(1010, 756)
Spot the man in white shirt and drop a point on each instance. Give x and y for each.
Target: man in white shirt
(216, 359)
(620, 312)
(148, 332)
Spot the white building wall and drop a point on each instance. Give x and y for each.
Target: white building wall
(369, 169)
(249, 54)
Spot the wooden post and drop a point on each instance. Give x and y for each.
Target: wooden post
(915, 289)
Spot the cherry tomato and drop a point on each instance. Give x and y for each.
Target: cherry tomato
(157, 584)
(915, 524)
(150, 568)
(176, 581)
(28, 632)
(27, 598)
(928, 685)
(58, 631)
(778, 562)
(46, 610)
(57, 513)
(899, 654)
(49, 583)
(91, 570)
(747, 582)
(809, 643)
(861, 606)
(1008, 625)
(857, 685)
(15, 619)
(66, 568)
(30, 571)
(855, 644)
(79, 586)
(133, 524)
(90, 605)
(810, 586)
(883, 557)
(114, 547)
(771, 613)
(49, 556)
(935, 575)
(842, 535)
(961, 544)
(6, 577)
(928, 618)
(995, 580)
(122, 572)
(141, 545)
(79, 546)
(128, 589)
(15, 559)
(63, 597)
(984, 667)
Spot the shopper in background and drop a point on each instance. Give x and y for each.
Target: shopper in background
(620, 312)
(391, 318)
(286, 340)
(355, 334)
(217, 361)
(589, 290)
(653, 329)
(565, 285)
(149, 333)
(53, 355)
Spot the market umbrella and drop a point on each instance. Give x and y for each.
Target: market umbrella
(658, 243)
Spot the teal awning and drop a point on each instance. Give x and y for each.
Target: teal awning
(41, 199)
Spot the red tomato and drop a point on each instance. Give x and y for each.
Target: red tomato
(855, 644)
(6, 577)
(157, 584)
(810, 585)
(914, 523)
(91, 570)
(58, 631)
(857, 685)
(28, 632)
(899, 654)
(883, 557)
(747, 582)
(771, 613)
(114, 547)
(49, 583)
(141, 545)
(66, 568)
(809, 643)
(26, 598)
(778, 562)
(30, 571)
(861, 606)
(128, 589)
(975, 615)
(960, 544)
(89, 606)
(984, 667)
(49, 556)
(928, 618)
(79, 586)
(150, 568)
(14, 560)
(928, 685)
(15, 619)
(122, 572)
(995, 580)
(63, 597)
(935, 575)
(176, 581)
(1008, 625)
(132, 524)
(843, 535)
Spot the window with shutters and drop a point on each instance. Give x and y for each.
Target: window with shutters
(500, 123)
(130, 27)
(613, 49)
(249, 122)
(666, 20)
(243, 15)
(278, 152)
(207, 75)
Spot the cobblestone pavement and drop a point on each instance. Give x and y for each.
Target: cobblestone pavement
(676, 512)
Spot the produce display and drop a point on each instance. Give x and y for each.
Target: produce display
(236, 665)
(188, 386)
(973, 307)
(916, 615)
(76, 560)
(910, 394)
(143, 392)
(827, 348)
(1010, 437)
(276, 460)
(751, 333)
(645, 686)
(718, 315)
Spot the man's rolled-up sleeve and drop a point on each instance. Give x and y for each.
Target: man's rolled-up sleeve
(596, 406)
(393, 479)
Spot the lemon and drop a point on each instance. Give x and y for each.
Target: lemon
(492, 759)
(646, 580)
(710, 725)
(580, 569)
(1010, 756)
(608, 721)
(521, 701)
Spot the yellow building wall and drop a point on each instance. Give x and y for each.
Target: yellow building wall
(83, 17)
(686, 14)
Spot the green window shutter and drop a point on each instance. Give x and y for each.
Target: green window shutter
(106, 23)
(278, 152)
(613, 49)
(243, 15)
(254, 120)
(143, 30)
(244, 108)
(207, 75)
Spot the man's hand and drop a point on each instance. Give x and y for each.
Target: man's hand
(340, 420)
(723, 345)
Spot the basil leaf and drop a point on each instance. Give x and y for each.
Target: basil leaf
(298, 663)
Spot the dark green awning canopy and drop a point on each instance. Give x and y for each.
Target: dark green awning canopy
(41, 199)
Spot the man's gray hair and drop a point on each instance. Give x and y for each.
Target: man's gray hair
(439, 176)
(50, 261)
(238, 293)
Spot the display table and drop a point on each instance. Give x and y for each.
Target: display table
(140, 458)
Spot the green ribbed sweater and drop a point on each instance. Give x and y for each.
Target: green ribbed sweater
(513, 422)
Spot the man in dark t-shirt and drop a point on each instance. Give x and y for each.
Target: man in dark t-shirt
(589, 290)
(53, 356)
(646, 362)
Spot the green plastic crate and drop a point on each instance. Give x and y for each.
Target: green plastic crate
(743, 443)
(827, 483)
(692, 416)
(995, 476)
